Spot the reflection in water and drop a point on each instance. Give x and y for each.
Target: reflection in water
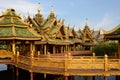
(96, 78)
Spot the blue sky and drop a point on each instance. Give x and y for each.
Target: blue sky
(104, 14)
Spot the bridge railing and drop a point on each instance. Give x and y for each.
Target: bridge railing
(68, 62)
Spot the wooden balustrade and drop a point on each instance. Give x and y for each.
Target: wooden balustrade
(65, 64)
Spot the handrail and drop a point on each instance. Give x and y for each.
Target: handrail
(63, 64)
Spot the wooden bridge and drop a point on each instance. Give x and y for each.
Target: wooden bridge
(66, 65)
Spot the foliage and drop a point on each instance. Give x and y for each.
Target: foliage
(108, 48)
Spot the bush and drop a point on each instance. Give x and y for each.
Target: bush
(108, 48)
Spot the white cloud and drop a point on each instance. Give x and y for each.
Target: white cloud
(21, 6)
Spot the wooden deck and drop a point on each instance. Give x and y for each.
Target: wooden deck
(66, 65)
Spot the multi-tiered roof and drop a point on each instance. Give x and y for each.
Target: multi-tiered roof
(13, 27)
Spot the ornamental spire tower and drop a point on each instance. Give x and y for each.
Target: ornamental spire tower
(51, 15)
(86, 22)
(39, 7)
(39, 16)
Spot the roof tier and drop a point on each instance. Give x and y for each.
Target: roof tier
(13, 27)
(113, 34)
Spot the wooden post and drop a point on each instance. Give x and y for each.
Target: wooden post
(66, 77)
(38, 54)
(45, 49)
(31, 63)
(31, 75)
(31, 47)
(48, 55)
(65, 67)
(105, 78)
(69, 56)
(106, 66)
(13, 47)
(93, 55)
(17, 73)
(53, 49)
(17, 58)
(106, 62)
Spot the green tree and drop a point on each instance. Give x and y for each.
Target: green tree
(108, 48)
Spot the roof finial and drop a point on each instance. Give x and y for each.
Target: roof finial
(52, 9)
(38, 7)
(86, 22)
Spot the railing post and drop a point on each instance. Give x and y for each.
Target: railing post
(31, 64)
(17, 57)
(93, 55)
(106, 62)
(69, 56)
(106, 66)
(38, 54)
(66, 67)
(93, 62)
(48, 55)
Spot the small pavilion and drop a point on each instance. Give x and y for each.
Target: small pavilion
(16, 34)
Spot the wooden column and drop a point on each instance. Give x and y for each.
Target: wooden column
(53, 49)
(45, 50)
(62, 50)
(74, 48)
(31, 46)
(105, 78)
(66, 77)
(17, 73)
(13, 47)
(31, 75)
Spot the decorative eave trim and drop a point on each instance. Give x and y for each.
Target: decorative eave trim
(10, 25)
(18, 38)
(110, 31)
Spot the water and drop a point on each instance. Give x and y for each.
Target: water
(96, 78)
(3, 67)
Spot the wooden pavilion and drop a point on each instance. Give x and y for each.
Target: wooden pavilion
(16, 34)
(56, 37)
(89, 37)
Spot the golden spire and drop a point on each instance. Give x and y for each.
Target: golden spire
(52, 9)
(39, 7)
(86, 22)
